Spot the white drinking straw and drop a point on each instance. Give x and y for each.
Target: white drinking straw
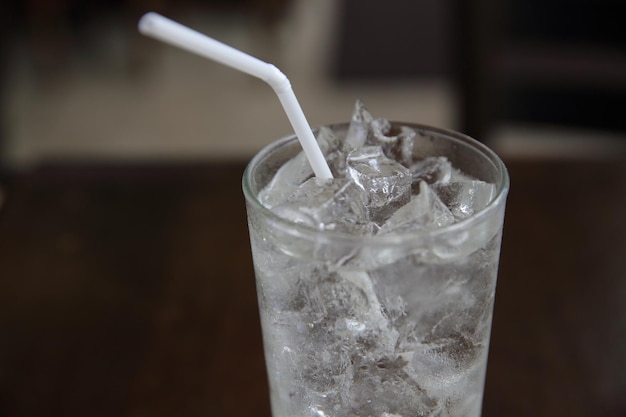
(166, 30)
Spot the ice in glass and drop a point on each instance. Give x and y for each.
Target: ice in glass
(376, 288)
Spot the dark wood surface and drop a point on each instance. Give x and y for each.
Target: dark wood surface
(129, 291)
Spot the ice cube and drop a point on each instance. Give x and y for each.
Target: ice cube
(381, 386)
(297, 170)
(424, 211)
(286, 180)
(464, 198)
(379, 331)
(324, 302)
(359, 128)
(386, 183)
(341, 317)
(327, 297)
(335, 151)
(364, 130)
(326, 204)
(444, 367)
(396, 142)
(432, 169)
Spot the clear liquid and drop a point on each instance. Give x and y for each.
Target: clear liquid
(408, 338)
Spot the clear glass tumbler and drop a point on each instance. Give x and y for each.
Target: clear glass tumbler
(384, 325)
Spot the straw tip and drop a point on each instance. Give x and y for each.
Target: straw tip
(146, 22)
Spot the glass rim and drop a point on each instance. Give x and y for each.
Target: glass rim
(302, 230)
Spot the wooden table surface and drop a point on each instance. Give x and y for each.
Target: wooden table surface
(129, 291)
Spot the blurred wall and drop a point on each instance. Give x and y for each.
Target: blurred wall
(392, 40)
(84, 85)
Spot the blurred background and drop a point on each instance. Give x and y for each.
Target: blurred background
(126, 280)
(79, 83)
